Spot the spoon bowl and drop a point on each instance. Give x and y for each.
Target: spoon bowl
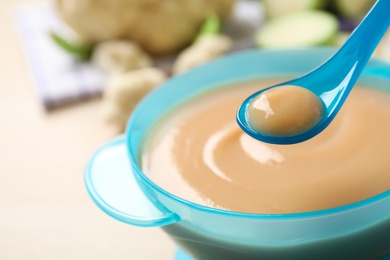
(332, 81)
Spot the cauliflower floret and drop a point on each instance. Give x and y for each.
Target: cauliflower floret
(208, 47)
(124, 91)
(120, 56)
(159, 27)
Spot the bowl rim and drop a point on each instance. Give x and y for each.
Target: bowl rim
(285, 216)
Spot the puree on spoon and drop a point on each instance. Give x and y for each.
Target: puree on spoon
(333, 80)
(285, 111)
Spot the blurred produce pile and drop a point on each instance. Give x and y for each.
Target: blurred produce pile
(125, 37)
(160, 27)
(305, 23)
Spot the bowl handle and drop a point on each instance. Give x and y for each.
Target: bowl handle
(111, 184)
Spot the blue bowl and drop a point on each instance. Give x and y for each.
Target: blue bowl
(118, 186)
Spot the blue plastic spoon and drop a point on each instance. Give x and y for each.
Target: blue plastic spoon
(332, 81)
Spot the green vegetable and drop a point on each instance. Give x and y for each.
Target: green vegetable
(353, 8)
(340, 39)
(78, 50)
(212, 25)
(298, 29)
(274, 8)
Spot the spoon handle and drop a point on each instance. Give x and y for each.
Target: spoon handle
(352, 57)
(371, 29)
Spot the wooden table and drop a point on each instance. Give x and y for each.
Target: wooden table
(45, 211)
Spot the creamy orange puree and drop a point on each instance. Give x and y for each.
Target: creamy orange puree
(199, 153)
(285, 111)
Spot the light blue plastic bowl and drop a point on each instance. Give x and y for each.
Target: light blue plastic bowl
(119, 187)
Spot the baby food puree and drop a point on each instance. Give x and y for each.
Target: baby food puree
(285, 111)
(199, 153)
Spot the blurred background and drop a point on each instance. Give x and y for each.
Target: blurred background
(71, 73)
(45, 211)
